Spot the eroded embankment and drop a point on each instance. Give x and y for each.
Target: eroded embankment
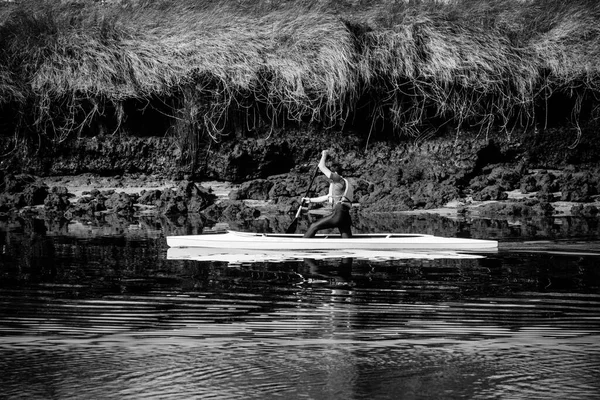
(525, 176)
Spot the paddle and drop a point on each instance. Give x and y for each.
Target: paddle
(294, 224)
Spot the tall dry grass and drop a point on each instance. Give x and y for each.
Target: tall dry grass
(226, 65)
(484, 63)
(295, 63)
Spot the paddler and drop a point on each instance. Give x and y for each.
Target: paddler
(340, 196)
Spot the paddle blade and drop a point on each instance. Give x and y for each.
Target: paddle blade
(293, 226)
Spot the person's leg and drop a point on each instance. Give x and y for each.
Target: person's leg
(323, 223)
(328, 222)
(345, 223)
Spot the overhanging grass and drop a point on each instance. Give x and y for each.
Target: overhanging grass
(296, 62)
(243, 63)
(452, 68)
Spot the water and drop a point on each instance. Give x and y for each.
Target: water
(102, 311)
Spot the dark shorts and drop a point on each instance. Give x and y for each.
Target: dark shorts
(339, 218)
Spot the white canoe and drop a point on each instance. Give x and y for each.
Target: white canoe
(283, 241)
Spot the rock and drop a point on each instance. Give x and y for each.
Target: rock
(93, 193)
(57, 200)
(521, 209)
(60, 190)
(121, 204)
(361, 187)
(17, 183)
(170, 203)
(251, 159)
(494, 192)
(90, 205)
(197, 204)
(433, 194)
(187, 197)
(505, 176)
(478, 183)
(542, 208)
(386, 200)
(239, 211)
(543, 181)
(547, 182)
(581, 210)
(528, 184)
(5, 204)
(35, 193)
(258, 189)
(545, 196)
(21, 191)
(11, 201)
(174, 207)
(230, 210)
(579, 187)
(150, 197)
(278, 190)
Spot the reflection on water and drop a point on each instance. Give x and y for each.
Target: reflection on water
(244, 256)
(91, 313)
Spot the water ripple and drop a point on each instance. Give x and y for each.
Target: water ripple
(461, 328)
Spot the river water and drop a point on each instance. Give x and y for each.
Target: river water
(104, 311)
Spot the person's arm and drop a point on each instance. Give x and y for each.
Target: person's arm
(320, 199)
(327, 173)
(322, 165)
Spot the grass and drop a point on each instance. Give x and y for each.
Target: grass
(457, 71)
(226, 65)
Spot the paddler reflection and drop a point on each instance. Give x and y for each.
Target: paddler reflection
(337, 273)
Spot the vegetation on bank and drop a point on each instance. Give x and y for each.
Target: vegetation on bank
(212, 68)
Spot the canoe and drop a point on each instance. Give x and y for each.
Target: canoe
(284, 241)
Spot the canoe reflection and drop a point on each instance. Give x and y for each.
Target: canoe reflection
(237, 256)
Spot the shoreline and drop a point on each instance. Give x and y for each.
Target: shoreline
(78, 185)
(124, 213)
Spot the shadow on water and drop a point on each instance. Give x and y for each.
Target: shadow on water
(90, 310)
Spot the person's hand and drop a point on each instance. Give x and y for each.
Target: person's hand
(324, 153)
(306, 200)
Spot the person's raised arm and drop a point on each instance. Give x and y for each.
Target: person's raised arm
(327, 172)
(322, 165)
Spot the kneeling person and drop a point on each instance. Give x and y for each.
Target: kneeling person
(340, 196)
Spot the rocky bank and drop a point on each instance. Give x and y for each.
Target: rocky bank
(456, 175)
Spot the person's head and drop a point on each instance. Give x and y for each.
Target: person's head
(334, 162)
(336, 166)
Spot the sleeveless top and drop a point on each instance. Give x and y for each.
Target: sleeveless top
(341, 190)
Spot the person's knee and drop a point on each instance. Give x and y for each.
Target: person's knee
(312, 231)
(309, 233)
(346, 232)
